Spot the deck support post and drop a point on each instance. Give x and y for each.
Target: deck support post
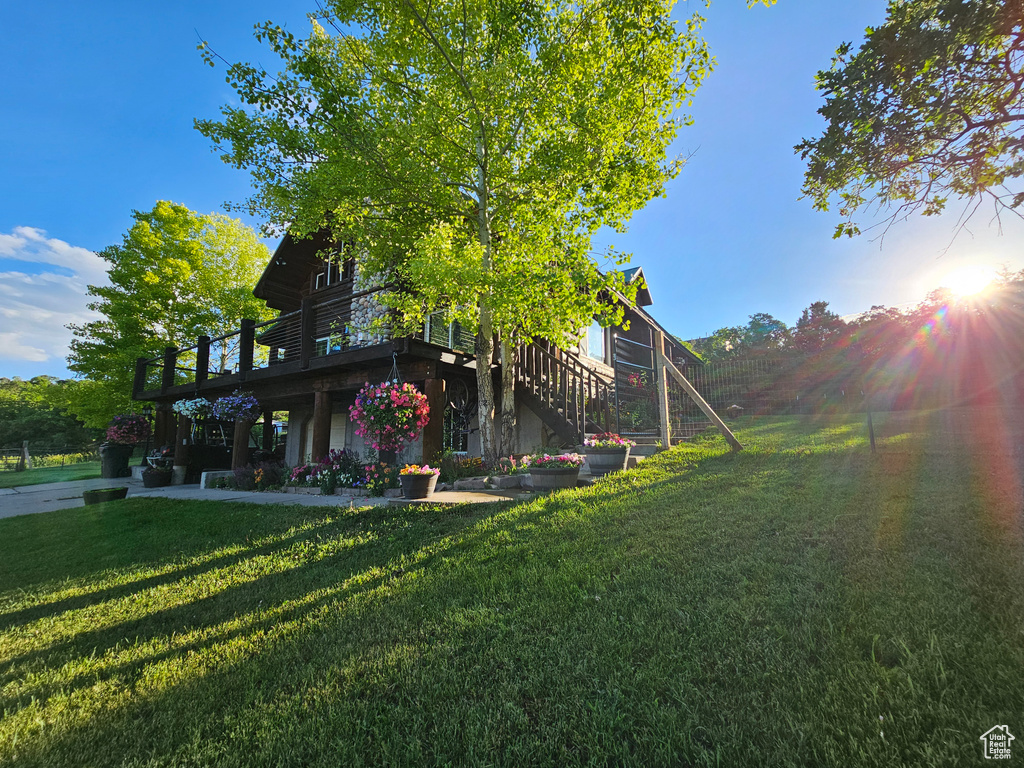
(321, 425)
(268, 431)
(240, 444)
(433, 432)
(181, 450)
(202, 360)
(661, 378)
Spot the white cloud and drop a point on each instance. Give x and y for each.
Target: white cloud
(40, 299)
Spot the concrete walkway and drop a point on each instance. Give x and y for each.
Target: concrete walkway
(53, 496)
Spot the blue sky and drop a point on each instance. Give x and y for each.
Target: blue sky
(96, 110)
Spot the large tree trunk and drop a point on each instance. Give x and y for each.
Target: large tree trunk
(485, 333)
(485, 388)
(508, 397)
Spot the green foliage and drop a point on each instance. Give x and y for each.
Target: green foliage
(35, 410)
(927, 109)
(176, 275)
(471, 148)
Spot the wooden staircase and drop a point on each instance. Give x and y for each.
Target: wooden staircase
(569, 397)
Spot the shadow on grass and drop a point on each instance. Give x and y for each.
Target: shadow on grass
(696, 610)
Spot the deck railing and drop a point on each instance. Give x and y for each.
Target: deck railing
(315, 330)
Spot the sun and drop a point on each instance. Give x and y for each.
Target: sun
(969, 280)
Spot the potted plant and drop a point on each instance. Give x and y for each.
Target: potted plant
(123, 434)
(418, 481)
(551, 472)
(194, 410)
(238, 406)
(607, 452)
(156, 477)
(389, 414)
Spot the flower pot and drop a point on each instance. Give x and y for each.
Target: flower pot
(114, 458)
(418, 486)
(103, 494)
(154, 478)
(553, 479)
(605, 460)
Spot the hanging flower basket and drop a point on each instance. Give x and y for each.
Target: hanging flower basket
(197, 408)
(389, 415)
(238, 406)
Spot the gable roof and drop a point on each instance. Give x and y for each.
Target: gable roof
(286, 279)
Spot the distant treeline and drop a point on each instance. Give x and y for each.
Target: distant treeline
(945, 351)
(36, 411)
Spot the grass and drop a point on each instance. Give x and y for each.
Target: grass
(800, 603)
(86, 470)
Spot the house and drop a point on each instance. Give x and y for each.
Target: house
(330, 338)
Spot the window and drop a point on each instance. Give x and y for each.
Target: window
(330, 345)
(595, 342)
(335, 269)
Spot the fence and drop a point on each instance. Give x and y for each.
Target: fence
(46, 456)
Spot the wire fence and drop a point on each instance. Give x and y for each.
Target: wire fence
(46, 456)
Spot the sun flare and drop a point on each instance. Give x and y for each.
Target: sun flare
(969, 280)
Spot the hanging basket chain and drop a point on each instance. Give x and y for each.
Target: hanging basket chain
(394, 376)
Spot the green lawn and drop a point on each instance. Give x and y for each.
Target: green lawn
(800, 603)
(84, 471)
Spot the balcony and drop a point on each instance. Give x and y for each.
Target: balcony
(280, 357)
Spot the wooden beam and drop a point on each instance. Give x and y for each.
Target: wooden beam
(202, 359)
(322, 411)
(240, 444)
(683, 382)
(661, 377)
(170, 362)
(433, 432)
(268, 431)
(306, 332)
(181, 449)
(246, 340)
(140, 376)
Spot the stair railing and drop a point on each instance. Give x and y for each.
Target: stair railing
(580, 395)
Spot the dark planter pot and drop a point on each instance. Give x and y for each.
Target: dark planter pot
(153, 478)
(418, 486)
(605, 460)
(554, 479)
(103, 494)
(114, 460)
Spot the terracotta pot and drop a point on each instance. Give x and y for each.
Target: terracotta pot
(605, 460)
(553, 479)
(418, 486)
(114, 459)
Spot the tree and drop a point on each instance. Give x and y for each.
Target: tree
(928, 108)
(471, 149)
(176, 275)
(817, 328)
(30, 410)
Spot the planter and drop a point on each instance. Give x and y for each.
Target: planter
(605, 460)
(155, 478)
(418, 486)
(553, 479)
(103, 494)
(114, 460)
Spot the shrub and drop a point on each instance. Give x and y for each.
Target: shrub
(127, 429)
(260, 476)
